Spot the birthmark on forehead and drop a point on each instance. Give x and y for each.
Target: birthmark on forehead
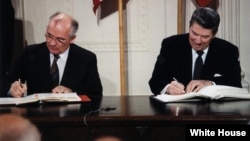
(57, 21)
(61, 20)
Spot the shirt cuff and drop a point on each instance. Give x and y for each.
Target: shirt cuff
(164, 90)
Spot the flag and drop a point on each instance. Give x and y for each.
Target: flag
(214, 4)
(97, 9)
(104, 8)
(96, 5)
(203, 3)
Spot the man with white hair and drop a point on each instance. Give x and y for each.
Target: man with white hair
(17, 128)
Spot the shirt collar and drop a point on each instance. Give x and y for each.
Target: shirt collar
(63, 56)
(205, 51)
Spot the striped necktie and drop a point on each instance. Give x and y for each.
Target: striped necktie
(54, 72)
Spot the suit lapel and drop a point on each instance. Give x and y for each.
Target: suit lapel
(70, 63)
(188, 62)
(210, 62)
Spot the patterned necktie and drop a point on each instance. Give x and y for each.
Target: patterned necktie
(54, 72)
(198, 66)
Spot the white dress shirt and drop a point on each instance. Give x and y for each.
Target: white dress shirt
(194, 56)
(61, 62)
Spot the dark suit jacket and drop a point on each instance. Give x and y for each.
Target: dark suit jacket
(80, 73)
(175, 60)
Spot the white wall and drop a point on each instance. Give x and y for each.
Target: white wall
(244, 31)
(147, 23)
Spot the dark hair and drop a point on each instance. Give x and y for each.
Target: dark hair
(207, 18)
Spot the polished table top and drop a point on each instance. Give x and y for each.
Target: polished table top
(134, 110)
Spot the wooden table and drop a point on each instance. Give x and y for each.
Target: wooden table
(135, 117)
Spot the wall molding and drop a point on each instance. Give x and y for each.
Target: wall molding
(139, 43)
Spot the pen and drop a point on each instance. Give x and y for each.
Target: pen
(175, 79)
(181, 86)
(20, 83)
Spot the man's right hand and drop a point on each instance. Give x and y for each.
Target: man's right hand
(176, 88)
(17, 89)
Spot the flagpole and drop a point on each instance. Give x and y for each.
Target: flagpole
(121, 41)
(181, 16)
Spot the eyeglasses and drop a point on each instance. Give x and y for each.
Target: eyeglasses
(60, 41)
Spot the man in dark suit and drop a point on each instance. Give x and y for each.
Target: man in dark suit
(77, 67)
(177, 58)
(6, 39)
